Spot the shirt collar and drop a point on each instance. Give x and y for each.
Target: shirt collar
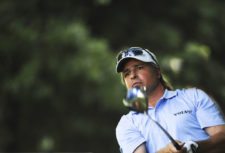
(169, 94)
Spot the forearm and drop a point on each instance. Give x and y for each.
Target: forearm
(215, 144)
(140, 149)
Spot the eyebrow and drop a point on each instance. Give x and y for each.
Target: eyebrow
(136, 65)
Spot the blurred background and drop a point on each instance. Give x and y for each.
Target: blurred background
(58, 88)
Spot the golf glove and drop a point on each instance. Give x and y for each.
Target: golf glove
(191, 146)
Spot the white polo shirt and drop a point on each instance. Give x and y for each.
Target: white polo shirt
(183, 113)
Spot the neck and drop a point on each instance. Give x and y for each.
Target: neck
(155, 95)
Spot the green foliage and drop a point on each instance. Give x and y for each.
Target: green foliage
(59, 89)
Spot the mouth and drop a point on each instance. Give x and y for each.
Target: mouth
(137, 84)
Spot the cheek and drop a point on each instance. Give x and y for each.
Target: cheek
(147, 78)
(144, 76)
(127, 83)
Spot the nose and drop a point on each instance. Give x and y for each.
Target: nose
(133, 74)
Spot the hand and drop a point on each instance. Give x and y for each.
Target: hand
(191, 146)
(171, 149)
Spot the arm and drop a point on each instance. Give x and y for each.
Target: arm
(216, 142)
(170, 148)
(209, 114)
(140, 149)
(129, 136)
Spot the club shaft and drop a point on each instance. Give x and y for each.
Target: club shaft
(178, 147)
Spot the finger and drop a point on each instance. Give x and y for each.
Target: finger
(181, 144)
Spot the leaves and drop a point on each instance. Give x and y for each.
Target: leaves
(59, 89)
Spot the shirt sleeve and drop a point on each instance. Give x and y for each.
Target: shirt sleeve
(128, 135)
(208, 112)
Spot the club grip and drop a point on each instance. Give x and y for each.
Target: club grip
(176, 145)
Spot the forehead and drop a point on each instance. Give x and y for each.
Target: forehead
(131, 62)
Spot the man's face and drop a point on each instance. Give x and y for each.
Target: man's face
(138, 74)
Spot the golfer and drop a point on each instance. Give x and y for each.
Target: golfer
(190, 116)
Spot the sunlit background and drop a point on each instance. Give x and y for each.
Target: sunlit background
(59, 91)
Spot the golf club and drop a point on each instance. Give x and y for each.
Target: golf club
(137, 100)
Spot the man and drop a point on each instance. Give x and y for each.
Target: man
(189, 115)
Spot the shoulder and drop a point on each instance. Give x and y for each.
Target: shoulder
(132, 120)
(192, 93)
(189, 91)
(198, 97)
(192, 96)
(125, 120)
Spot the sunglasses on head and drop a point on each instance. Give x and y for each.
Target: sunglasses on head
(134, 51)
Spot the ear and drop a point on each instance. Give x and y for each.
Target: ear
(159, 75)
(122, 79)
(156, 70)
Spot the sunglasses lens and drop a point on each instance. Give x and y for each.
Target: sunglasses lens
(137, 52)
(129, 52)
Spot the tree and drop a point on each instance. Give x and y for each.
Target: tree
(59, 89)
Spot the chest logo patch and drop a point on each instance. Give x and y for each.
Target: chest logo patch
(183, 112)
